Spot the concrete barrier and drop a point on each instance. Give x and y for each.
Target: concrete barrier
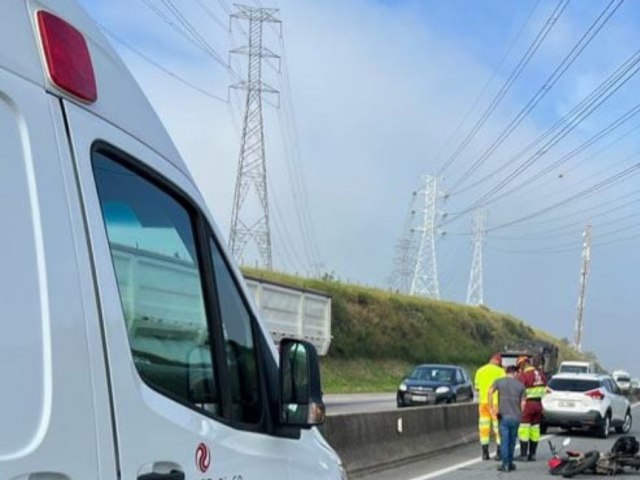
(371, 441)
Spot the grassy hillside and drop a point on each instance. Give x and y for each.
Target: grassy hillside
(378, 335)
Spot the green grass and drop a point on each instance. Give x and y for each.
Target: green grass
(362, 375)
(378, 335)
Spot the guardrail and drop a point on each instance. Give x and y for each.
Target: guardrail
(378, 440)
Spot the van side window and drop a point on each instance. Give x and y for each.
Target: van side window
(242, 361)
(153, 249)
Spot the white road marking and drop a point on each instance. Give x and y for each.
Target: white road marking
(468, 463)
(461, 465)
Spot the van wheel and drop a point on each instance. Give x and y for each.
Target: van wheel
(605, 428)
(626, 425)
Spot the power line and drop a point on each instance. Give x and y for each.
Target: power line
(289, 126)
(211, 14)
(542, 91)
(561, 128)
(187, 31)
(607, 183)
(159, 66)
(572, 216)
(490, 197)
(533, 47)
(571, 246)
(483, 91)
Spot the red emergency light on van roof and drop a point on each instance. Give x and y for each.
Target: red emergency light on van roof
(67, 56)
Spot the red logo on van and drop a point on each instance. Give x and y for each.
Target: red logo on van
(203, 457)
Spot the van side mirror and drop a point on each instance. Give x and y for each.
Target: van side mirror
(301, 402)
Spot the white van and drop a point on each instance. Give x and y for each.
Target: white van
(623, 380)
(577, 367)
(102, 377)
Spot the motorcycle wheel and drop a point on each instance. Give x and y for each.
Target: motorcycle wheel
(633, 462)
(586, 463)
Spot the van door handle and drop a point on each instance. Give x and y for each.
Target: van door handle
(172, 475)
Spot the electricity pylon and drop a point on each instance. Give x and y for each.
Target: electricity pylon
(405, 252)
(584, 276)
(425, 276)
(250, 222)
(475, 292)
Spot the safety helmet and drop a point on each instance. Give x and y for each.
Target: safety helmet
(522, 359)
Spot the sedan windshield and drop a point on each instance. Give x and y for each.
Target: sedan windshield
(433, 374)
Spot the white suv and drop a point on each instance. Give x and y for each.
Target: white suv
(586, 401)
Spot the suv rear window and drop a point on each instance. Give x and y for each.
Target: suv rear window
(573, 385)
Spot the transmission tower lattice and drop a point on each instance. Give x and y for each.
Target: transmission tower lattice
(475, 292)
(425, 276)
(405, 252)
(250, 222)
(584, 276)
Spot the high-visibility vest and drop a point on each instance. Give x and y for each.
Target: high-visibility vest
(534, 383)
(485, 378)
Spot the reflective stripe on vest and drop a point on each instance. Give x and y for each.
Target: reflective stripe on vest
(534, 393)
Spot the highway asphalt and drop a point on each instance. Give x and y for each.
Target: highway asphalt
(464, 463)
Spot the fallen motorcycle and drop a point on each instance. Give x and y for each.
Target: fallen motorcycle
(623, 454)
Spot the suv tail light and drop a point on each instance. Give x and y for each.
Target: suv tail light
(67, 55)
(595, 394)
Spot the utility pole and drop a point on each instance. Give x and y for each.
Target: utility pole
(425, 276)
(475, 292)
(584, 276)
(250, 222)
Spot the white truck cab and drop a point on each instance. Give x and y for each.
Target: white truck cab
(128, 349)
(577, 367)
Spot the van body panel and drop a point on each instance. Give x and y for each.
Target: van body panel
(49, 400)
(18, 49)
(139, 409)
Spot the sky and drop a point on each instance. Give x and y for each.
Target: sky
(376, 93)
